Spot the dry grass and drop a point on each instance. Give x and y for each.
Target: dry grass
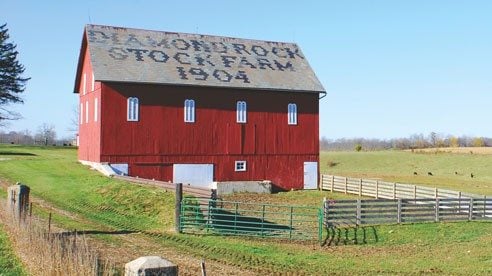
(459, 150)
(43, 253)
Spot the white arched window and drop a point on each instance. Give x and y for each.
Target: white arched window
(241, 112)
(86, 112)
(132, 109)
(95, 109)
(292, 114)
(84, 84)
(189, 111)
(81, 113)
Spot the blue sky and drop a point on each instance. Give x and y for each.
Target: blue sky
(391, 68)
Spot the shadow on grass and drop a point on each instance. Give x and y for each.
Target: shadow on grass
(231, 223)
(350, 235)
(17, 153)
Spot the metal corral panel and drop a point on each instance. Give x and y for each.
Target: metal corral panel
(142, 56)
(200, 175)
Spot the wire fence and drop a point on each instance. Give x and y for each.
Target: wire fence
(46, 251)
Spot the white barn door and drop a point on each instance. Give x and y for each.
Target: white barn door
(310, 175)
(200, 175)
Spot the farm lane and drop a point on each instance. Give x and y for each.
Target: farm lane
(123, 248)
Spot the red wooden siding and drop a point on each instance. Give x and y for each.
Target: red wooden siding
(90, 131)
(273, 149)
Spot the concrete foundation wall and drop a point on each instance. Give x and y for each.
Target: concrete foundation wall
(230, 187)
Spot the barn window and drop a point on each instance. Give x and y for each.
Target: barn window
(241, 112)
(292, 114)
(240, 166)
(189, 111)
(81, 113)
(84, 83)
(86, 112)
(95, 110)
(93, 82)
(132, 109)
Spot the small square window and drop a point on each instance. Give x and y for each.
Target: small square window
(240, 166)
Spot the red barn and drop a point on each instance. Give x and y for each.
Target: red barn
(198, 108)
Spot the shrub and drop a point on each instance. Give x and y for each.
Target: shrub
(358, 147)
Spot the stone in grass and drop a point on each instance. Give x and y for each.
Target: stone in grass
(151, 266)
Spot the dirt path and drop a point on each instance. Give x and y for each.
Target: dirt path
(121, 248)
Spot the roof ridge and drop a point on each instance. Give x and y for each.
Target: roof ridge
(191, 34)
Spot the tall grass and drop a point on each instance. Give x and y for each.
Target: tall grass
(9, 262)
(44, 252)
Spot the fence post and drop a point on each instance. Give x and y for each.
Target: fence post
(358, 213)
(18, 200)
(346, 183)
(394, 190)
(436, 194)
(484, 206)
(263, 219)
(332, 183)
(470, 209)
(320, 225)
(360, 187)
(377, 189)
(179, 198)
(325, 212)
(320, 185)
(235, 217)
(437, 209)
(398, 218)
(459, 202)
(291, 224)
(415, 193)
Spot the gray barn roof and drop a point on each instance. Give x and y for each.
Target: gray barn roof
(142, 56)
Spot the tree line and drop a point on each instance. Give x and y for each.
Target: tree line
(45, 136)
(416, 141)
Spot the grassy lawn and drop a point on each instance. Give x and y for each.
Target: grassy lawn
(95, 202)
(399, 166)
(9, 264)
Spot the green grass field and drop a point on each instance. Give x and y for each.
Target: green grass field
(399, 166)
(95, 202)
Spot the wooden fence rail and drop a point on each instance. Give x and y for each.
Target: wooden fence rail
(347, 213)
(387, 190)
(168, 186)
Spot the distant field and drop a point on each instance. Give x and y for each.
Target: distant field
(123, 215)
(449, 170)
(460, 150)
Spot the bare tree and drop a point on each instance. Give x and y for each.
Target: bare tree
(74, 120)
(46, 134)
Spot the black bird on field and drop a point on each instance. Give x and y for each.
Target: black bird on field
(471, 175)
(455, 173)
(415, 173)
(429, 173)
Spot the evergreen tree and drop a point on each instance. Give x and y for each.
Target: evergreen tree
(11, 81)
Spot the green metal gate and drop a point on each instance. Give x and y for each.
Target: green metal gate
(219, 217)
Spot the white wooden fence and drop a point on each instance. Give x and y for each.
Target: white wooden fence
(387, 190)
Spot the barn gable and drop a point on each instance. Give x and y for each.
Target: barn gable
(155, 57)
